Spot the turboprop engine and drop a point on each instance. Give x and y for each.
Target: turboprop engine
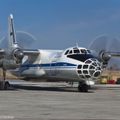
(104, 57)
(18, 55)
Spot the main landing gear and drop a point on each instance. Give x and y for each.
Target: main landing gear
(4, 85)
(83, 87)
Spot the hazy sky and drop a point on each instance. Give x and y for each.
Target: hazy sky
(59, 24)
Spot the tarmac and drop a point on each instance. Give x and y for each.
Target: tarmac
(59, 101)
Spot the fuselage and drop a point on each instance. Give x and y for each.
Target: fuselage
(72, 64)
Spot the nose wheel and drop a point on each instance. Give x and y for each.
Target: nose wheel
(83, 87)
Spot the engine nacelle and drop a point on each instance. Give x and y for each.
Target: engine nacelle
(18, 55)
(104, 57)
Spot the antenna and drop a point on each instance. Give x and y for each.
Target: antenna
(76, 44)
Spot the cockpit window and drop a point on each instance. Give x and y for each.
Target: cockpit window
(88, 51)
(70, 52)
(83, 51)
(66, 52)
(76, 51)
(80, 57)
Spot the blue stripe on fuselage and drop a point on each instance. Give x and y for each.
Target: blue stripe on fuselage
(58, 64)
(47, 66)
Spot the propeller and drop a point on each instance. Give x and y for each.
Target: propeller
(24, 39)
(13, 45)
(105, 48)
(99, 44)
(18, 55)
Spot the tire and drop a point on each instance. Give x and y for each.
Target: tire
(7, 85)
(83, 88)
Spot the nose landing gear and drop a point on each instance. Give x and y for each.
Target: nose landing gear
(83, 87)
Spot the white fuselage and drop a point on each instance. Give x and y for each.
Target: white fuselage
(50, 64)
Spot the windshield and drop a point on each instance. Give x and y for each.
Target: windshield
(80, 57)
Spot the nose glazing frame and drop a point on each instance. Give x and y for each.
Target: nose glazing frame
(90, 69)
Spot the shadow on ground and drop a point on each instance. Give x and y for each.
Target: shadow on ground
(36, 88)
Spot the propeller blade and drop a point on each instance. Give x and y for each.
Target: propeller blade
(106, 47)
(105, 43)
(99, 44)
(24, 39)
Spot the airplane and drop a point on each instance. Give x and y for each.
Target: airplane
(74, 64)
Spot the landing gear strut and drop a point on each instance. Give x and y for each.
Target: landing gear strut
(83, 87)
(4, 85)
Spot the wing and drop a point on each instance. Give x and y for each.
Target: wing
(113, 54)
(32, 54)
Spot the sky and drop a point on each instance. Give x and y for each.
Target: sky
(58, 24)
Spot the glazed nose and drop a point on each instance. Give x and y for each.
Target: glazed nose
(90, 69)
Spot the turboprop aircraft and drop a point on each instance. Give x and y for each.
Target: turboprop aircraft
(72, 64)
